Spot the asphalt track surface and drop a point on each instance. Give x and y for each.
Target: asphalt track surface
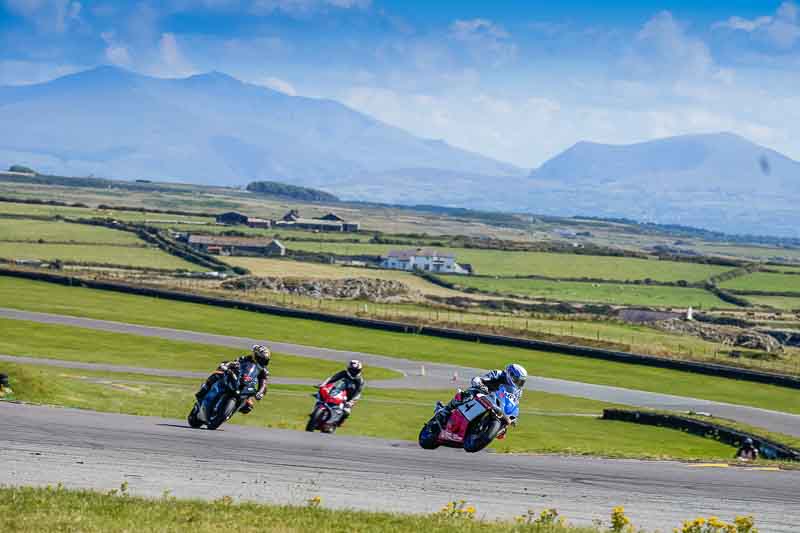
(436, 375)
(85, 449)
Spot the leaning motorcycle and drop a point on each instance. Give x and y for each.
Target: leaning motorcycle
(329, 409)
(226, 396)
(474, 424)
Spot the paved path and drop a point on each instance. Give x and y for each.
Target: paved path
(43, 445)
(437, 375)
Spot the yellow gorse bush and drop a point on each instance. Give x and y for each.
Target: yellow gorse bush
(619, 521)
(741, 524)
(458, 509)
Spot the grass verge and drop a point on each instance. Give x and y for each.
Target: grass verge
(97, 254)
(24, 509)
(549, 423)
(51, 341)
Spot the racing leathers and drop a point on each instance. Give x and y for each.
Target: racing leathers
(263, 376)
(353, 386)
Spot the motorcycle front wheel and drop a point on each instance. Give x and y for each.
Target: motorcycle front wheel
(315, 418)
(427, 437)
(483, 435)
(192, 418)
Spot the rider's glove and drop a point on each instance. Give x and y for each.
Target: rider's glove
(259, 396)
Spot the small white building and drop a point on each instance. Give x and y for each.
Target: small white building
(424, 259)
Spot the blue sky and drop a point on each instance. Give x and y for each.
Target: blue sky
(516, 80)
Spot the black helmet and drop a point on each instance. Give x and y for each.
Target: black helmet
(261, 354)
(354, 368)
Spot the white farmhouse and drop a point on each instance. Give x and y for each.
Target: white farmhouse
(424, 259)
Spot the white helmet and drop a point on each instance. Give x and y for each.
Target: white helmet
(354, 368)
(516, 375)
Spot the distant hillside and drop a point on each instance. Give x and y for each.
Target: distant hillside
(305, 194)
(210, 129)
(720, 181)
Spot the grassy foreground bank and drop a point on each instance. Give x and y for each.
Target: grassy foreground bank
(74, 301)
(549, 423)
(27, 509)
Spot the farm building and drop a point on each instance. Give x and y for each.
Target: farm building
(330, 222)
(213, 244)
(231, 218)
(254, 222)
(424, 259)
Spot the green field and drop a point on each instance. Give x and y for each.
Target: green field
(784, 303)
(13, 208)
(549, 423)
(102, 254)
(610, 293)
(68, 343)
(39, 296)
(24, 510)
(502, 263)
(34, 230)
(764, 281)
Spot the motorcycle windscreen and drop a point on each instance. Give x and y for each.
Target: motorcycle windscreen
(249, 378)
(509, 401)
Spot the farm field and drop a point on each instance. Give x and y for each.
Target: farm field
(44, 297)
(610, 293)
(12, 208)
(63, 232)
(784, 303)
(51, 341)
(549, 423)
(285, 268)
(752, 252)
(764, 281)
(99, 254)
(502, 263)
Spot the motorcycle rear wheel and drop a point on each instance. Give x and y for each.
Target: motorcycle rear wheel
(483, 435)
(427, 437)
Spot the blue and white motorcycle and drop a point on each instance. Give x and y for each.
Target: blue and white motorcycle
(475, 423)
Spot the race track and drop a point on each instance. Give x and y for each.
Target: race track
(41, 445)
(437, 375)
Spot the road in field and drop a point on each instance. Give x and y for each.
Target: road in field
(437, 375)
(84, 449)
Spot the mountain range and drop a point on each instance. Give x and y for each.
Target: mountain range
(214, 129)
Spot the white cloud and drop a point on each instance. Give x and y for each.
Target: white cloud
(47, 15)
(304, 6)
(663, 48)
(781, 30)
(115, 52)
(277, 84)
(485, 40)
(172, 62)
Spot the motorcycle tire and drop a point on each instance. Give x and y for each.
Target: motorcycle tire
(192, 418)
(428, 435)
(483, 435)
(314, 419)
(225, 410)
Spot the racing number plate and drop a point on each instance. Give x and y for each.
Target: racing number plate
(472, 409)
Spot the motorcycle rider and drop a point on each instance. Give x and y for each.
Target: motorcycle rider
(513, 377)
(354, 384)
(260, 356)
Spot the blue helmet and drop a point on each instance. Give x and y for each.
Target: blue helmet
(516, 375)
